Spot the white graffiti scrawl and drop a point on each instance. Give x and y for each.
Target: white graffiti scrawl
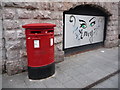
(81, 30)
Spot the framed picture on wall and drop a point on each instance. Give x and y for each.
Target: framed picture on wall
(82, 30)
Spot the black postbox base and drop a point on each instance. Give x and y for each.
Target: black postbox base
(36, 73)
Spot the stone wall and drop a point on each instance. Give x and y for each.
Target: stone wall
(0, 40)
(119, 22)
(16, 14)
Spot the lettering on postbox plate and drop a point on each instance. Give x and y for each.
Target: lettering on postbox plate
(51, 41)
(36, 44)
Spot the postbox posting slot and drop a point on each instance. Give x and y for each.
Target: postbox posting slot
(36, 32)
(41, 34)
(50, 30)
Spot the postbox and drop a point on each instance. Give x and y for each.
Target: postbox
(40, 50)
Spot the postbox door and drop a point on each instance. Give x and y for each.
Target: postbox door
(47, 48)
(40, 50)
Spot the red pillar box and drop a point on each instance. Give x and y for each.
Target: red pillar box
(40, 50)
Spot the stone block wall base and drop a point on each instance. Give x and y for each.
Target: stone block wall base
(16, 66)
(2, 66)
(59, 57)
(110, 44)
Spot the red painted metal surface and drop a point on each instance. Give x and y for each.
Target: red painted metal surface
(39, 25)
(40, 44)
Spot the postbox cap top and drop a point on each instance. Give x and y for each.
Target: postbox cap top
(39, 25)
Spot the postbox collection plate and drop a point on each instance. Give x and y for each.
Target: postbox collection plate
(36, 43)
(51, 41)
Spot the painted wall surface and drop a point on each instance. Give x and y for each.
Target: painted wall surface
(82, 30)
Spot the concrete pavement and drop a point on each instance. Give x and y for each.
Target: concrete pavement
(76, 71)
(112, 82)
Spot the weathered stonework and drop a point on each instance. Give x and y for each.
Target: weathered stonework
(1, 45)
(26, 5)
(59, 54)
(56, 15)
(11, 24)
(9, 13)
(16, 66)
(16, 14)
(58, 39)
(24, 14)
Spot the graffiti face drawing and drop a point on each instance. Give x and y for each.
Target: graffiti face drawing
(87, 28)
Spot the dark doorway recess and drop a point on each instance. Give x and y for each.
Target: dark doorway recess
(87, 10)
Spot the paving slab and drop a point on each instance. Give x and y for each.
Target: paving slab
(53, 83)
(83, 80)
(112, 82)
(33, 83)
(72, 84)
(62, 77)
(76, 71)
(0, 81)
(15, 81)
